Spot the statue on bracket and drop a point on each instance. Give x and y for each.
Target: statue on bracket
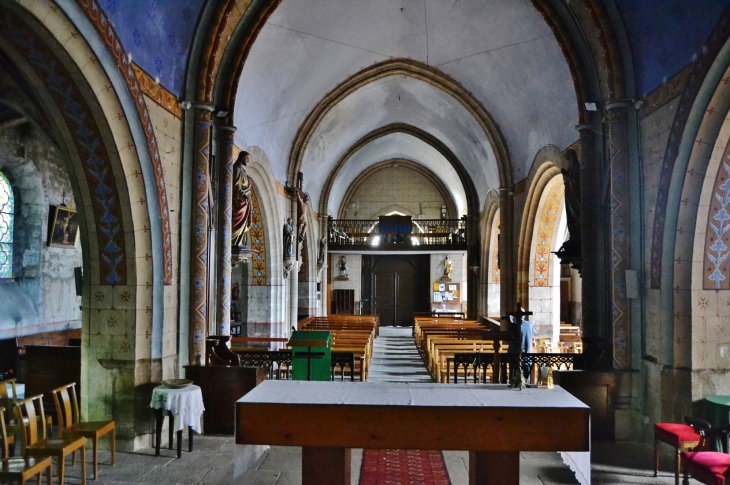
(241, 213)
(322, 251)
(570, 252)
(289, 239)
(448, 268)
(343, 273)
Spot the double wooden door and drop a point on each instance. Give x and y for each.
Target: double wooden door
(396, 287)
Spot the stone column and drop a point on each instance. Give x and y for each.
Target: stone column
(590, 220)
(507, 254)
(620, 250)
(472, 258)
(199, 247)
(225, 214)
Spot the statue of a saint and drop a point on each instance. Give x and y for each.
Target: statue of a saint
(322, 251)
(241, 213)
(343, 268)
(448, 267)
(288, 239)
(302, 227)
(571, 179)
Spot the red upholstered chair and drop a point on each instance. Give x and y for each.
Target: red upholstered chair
(709, 467)
(682, 437)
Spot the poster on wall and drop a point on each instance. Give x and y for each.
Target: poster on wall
(63, 227)
(437, 297)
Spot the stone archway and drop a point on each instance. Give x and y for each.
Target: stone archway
(122, 308)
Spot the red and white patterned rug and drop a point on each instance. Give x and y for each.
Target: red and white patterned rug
(403, 467)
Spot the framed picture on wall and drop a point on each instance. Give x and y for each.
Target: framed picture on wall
(63, 230)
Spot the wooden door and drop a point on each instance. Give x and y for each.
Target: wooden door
(384, 287)
(398, 287)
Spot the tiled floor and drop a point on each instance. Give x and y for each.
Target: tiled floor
(395, 359)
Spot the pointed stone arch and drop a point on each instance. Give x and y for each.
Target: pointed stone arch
(489, 224)
(97, 130)
(411, 165)
(416, 70)
(472, 198)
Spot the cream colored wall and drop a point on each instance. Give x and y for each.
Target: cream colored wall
(710, 308)
(168, 131)
(395, 189)
(354, 270)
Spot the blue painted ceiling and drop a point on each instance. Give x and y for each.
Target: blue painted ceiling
(665, 35)
(158, 34)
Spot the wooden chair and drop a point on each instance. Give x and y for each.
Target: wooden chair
(20, 469)
(35, 446)
(8, 401)
(70, 425)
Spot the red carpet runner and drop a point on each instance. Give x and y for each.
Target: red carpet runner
(403, 467)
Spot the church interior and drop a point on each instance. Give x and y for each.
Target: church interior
(189, 186)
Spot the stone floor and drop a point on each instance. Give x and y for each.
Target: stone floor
(395, 359)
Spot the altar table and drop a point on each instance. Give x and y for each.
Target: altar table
(493, 422)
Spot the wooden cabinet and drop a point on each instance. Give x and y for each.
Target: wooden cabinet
(222, 386)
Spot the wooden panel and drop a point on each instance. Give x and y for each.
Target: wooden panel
(596, 389)
(437, 428)
(49, 367)
(222, 386)
(326, 466)
(343, 302)
(384, 297)
(495, 468)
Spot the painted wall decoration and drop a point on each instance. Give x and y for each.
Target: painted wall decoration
(543, 242)
(662, 211)
(158, 34)
(88, 142)
(666, 34)
(160, 95)
(258, 242)
(717, 238)
(102, 24)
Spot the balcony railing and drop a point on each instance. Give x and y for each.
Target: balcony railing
(397, 233)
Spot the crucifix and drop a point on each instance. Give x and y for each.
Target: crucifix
(518, 377)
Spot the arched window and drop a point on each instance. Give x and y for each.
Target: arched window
(7, 227)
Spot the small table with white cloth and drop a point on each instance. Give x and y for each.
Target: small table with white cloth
(184, 406)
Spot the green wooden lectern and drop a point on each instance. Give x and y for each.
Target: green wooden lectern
(311, 355)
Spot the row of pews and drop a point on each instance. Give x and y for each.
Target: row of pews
(460, 350)
(353, 338)
(439, 339)
(352, 335)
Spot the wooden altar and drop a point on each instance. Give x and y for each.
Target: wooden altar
(493, 422)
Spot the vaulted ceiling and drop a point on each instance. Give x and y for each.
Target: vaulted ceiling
(501, 52)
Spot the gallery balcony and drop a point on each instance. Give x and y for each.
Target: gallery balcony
(397, 233)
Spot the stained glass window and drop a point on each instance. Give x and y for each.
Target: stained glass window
(7, 227)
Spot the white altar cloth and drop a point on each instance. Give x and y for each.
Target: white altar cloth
(186, 405)
(407, 394)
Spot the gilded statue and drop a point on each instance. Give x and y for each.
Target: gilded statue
(448, 267)
(241, 213)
